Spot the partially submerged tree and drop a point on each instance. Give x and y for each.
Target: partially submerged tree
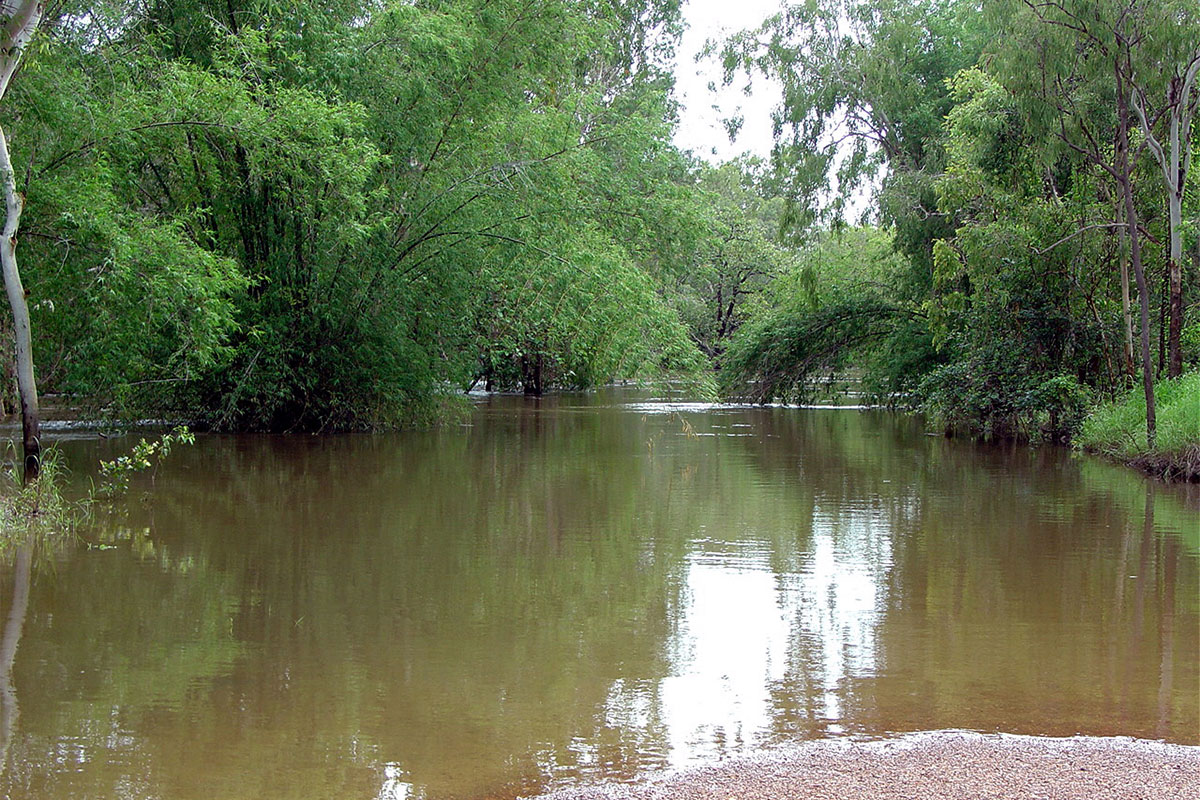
(20, 19)
(864, 98)
(323, 215)
(1002, 145)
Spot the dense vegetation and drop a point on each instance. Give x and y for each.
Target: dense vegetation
(318, 216)
(1024, 162)
(289, 216)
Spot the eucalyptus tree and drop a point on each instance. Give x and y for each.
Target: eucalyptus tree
(864, 95)
(1073, 65)
(864, 98)
(20, 19)
(1163, 59)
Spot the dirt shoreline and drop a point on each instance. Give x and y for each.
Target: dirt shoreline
(941, 765)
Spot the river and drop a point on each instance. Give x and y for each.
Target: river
(586, 588)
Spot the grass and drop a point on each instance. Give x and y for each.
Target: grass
(37, 510)
(1118, 430)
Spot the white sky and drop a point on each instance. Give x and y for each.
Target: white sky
(700, 129)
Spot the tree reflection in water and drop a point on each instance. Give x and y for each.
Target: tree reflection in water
(542, 597)
(14, 623)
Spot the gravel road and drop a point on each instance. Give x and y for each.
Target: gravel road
(944, 765)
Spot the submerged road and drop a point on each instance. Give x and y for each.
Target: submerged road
(944, 765)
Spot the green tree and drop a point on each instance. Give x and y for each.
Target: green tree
(864, 96)
(1073, 66)
(313, 216)
(835, 304)
(737, 257)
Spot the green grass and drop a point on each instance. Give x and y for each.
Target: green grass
(35, 511)
(1118, 429)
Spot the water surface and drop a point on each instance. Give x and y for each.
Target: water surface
(584, 589)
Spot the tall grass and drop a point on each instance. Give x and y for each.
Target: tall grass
(1118, 429)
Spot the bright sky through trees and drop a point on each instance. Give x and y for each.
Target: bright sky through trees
(701, 129)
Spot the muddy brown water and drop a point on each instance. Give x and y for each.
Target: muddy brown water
(585, 589)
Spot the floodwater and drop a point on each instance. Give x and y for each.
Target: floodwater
(582, 589)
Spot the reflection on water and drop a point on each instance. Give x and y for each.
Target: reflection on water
(11, 638)
(581, 589)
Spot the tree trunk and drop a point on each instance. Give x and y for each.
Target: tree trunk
(22, 21)
(1175, 322)
(1174, 158)
(1125, 179)
(26, 387)
(1126, 305)
(531, 375)
(1163, 306)
(1175, 287)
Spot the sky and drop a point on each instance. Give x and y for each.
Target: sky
(700, 129)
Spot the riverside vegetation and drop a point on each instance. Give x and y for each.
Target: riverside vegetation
(39, 511)
(253, 215)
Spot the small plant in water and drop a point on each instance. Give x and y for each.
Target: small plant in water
(116, 474)
(34, 508)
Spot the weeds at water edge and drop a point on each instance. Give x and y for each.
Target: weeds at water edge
(41, 509)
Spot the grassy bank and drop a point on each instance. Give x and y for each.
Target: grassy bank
(1118, 430)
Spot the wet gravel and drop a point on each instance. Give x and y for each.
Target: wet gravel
(944, 765)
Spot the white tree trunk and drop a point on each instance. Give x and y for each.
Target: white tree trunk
(1174, 159)
(21, 18)
(26, 386)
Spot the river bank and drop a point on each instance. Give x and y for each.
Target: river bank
(942, 765)
(1117, 430)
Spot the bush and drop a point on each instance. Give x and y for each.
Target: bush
(1002, 404)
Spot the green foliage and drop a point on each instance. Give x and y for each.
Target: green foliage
(257, 215)
(115, 474)
(994, 401)
(863, 89)
(779, 355)
(301, 216)
(828, 312)
(999, 312)
(735, 256)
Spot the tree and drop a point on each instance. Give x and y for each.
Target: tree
(286, 216)
(1163, 61)
(20, 20)
(833, 306)
(1078, 89)
(1018, 305)
(736, 256)
(864, 96)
